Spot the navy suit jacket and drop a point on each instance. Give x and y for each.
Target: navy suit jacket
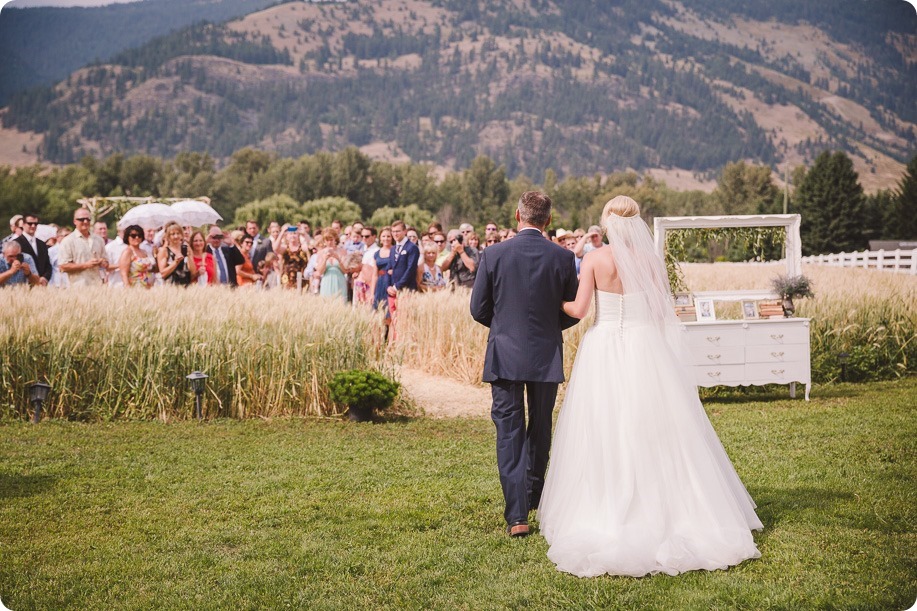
(404, 267)
(42, 260)
(233, 257)
(518, 291)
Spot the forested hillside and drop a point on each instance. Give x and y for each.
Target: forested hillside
(575, 86)
(40, 46)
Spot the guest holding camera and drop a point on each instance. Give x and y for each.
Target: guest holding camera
(16, 267)
(175, 265)
(462, 261)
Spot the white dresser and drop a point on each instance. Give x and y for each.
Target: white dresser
(751, 352)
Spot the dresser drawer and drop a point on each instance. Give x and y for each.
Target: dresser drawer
(713, 355)
(777, 353)
(777, 335)
(716, 337)
(711, 375)
(777, 373)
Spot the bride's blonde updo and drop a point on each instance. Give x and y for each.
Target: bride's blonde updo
(622, 206)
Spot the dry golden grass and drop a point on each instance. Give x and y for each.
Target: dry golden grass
(125, 353)
(868, 314)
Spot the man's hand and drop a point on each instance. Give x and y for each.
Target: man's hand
(16, 266)
(26, 270)
(458, 248)
(392, 291)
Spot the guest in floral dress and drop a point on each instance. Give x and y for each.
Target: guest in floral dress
(135, 263)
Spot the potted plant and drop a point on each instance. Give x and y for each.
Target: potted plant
(789, 288)
(362, 391)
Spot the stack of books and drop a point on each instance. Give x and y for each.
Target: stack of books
(770, 309)
(686, 313)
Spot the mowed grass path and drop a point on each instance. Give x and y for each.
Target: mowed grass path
(407, 514)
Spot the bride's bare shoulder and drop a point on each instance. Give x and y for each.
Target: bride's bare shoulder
(600, 258)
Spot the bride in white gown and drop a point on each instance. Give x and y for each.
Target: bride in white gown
(638, 481)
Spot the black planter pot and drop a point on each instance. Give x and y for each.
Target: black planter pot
(360, 414)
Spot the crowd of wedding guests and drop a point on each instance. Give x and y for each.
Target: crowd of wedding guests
(358, 263)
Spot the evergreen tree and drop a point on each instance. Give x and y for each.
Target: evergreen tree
(902, 219)
(830, 200)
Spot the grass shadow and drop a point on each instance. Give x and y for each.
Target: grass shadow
(775, 393)
(20, 486)
(778, 504)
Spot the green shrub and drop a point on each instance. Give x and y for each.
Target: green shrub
(363, 389)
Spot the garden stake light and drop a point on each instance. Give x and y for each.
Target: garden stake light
(38, 392)
(198, 380)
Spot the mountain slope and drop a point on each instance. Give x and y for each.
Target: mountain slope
(572, 85)
(39, 46)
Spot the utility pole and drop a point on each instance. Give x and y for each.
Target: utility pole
(786, 186)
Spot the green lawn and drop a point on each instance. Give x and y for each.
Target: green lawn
(408, 514)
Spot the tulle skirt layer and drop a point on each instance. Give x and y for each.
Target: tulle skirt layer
(638, 481)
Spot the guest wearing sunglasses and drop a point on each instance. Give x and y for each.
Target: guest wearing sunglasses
(35, 248)
(82, 254)
(136, 264)
(245, 272)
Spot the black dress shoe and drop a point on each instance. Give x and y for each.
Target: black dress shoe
(518, 529)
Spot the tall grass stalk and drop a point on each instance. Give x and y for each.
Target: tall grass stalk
(125, 354)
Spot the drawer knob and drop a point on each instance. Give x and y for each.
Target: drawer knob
(713, 338)
(713, 374)
(776, 336)
(777, 355)
(713, 357)
(777, 372)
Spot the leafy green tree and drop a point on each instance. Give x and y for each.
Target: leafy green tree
(902, 217)
(830, 200)
(412, 215)
(349, 173)
(745, 189)
(323, 211)
(486, 188)
(280, 208)
(234, 185)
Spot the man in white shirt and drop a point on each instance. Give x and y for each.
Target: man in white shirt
(113, 252)
(82, 253)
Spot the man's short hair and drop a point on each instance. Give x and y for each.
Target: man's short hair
(30, 216)
(465, 227)
(534, 208)
(398, 223)
(372, 230)
(12, 245)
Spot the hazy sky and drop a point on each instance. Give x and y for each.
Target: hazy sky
(27, 3)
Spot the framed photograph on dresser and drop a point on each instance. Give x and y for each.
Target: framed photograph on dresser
(705, 310)
(750, 310)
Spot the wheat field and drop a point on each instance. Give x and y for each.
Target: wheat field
(124, 354)
(112, 354)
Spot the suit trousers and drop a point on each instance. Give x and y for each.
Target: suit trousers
(522, 451)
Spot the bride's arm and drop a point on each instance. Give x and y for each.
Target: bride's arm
(579, 307)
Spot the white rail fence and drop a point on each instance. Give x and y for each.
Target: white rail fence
(904, 261)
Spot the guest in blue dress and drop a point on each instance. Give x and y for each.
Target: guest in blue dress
(383, 261)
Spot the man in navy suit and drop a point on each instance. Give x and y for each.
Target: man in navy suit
(35, 248)
(518, 292)
(225, 257)
(405, 256)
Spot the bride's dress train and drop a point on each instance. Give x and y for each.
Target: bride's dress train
(638, 481)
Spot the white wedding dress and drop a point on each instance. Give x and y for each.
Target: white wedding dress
(638, 481)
